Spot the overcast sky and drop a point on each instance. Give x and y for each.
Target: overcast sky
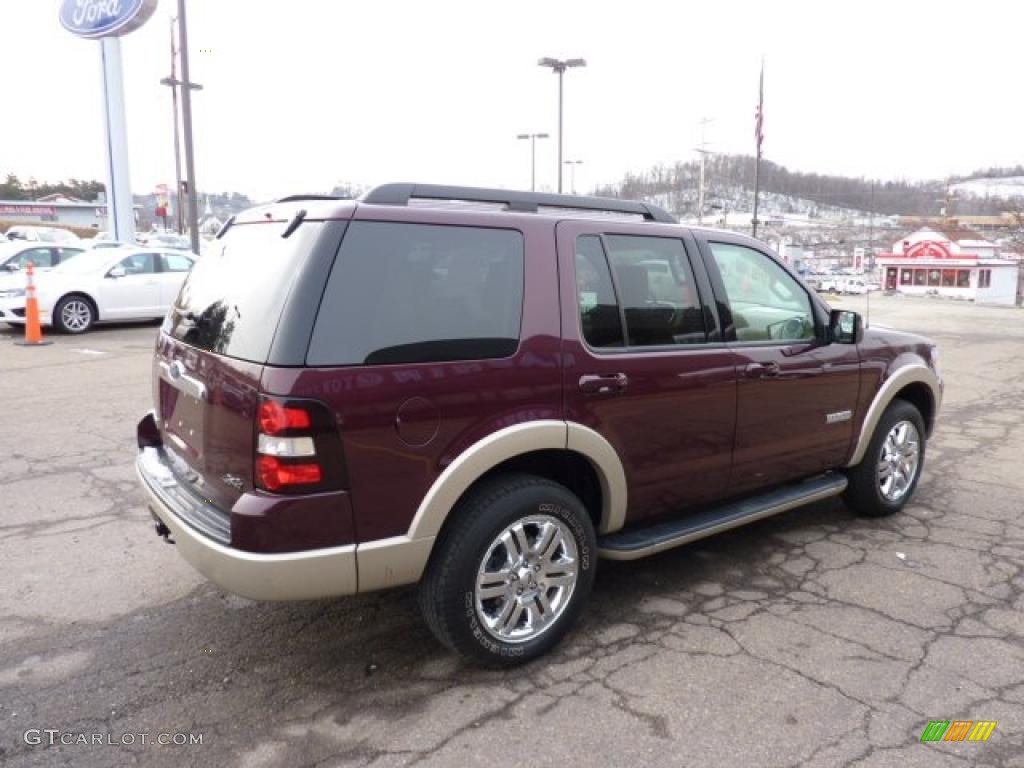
(304, 94)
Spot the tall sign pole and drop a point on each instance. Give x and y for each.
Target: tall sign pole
(106, 22)
(186, 117)
(759, 139)
(120, 206)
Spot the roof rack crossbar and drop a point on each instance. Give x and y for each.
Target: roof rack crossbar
(401, 193)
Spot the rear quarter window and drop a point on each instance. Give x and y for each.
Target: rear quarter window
(232, 300)
(410, 293)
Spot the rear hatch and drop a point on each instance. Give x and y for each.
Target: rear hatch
(233, 311)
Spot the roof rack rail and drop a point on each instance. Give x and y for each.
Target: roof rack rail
(529, 202)
(297, 198)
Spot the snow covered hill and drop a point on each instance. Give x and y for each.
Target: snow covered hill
(1005, 187)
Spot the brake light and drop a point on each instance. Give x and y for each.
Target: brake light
(273, 474)
(275, 418)
(298, 447)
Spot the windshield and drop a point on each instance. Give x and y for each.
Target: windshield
(231, 301)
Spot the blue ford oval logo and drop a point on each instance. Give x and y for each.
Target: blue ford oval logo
(104, 18)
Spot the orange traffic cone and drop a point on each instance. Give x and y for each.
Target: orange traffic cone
(33, 332)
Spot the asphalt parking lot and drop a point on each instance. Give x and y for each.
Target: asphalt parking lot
(814, 638)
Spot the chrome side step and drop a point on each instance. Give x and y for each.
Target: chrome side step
(640, 542)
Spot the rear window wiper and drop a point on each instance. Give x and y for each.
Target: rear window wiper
(294, 223)
(225, 228)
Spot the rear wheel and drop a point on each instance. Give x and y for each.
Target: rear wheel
(511, 571)
(74, 314)
(886, 478)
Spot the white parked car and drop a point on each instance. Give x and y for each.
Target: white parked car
(105, 285)
(41, 234)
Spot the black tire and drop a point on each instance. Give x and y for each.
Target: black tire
(79, 301)
(447, 593)
(864, 492)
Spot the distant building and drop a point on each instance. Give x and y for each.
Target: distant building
(55, 210)
(950, 260)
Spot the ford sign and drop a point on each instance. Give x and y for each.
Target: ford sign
(105, 18)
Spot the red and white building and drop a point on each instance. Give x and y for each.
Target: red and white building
(949, 261)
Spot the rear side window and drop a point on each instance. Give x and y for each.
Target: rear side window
(231, 300)
(600, 318)
(175, 262)
(411, 293)
(139, 264)
(649, 285)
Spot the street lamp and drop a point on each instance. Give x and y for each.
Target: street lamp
(572, 172)
(559, 66)
(533, 155)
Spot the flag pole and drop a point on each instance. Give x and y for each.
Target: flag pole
(758, 138)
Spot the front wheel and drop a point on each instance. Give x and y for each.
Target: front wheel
(886, 477)
(511, 571)
(74, 314)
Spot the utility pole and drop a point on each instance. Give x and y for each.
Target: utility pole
(702, 150)
(186, 113)
(179, 219)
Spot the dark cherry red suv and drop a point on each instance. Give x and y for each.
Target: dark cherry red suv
(483, 391)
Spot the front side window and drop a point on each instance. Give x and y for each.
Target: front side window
(40, 257)
(413, 293)
(920, 277)
(766, 302)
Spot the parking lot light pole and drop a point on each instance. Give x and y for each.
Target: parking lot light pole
(559, 66)
(572, 173)
(533, 155)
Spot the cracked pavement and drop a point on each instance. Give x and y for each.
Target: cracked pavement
(814, 638)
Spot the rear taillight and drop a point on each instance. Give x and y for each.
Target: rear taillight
(276, 418)
(298, 448)
(274, 475)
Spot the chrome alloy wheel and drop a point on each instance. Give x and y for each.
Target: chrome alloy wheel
(76, 315)
(526, 578)
(899, 460)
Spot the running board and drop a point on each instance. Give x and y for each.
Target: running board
(641, 542)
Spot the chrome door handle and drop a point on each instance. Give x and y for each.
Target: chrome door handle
(173, 374)
(762, 370)
(603, 383)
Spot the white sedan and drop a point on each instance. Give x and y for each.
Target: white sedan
(106, 285)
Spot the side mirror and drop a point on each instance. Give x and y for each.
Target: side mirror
(12, 266)
(845, 327)
(117, 271)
